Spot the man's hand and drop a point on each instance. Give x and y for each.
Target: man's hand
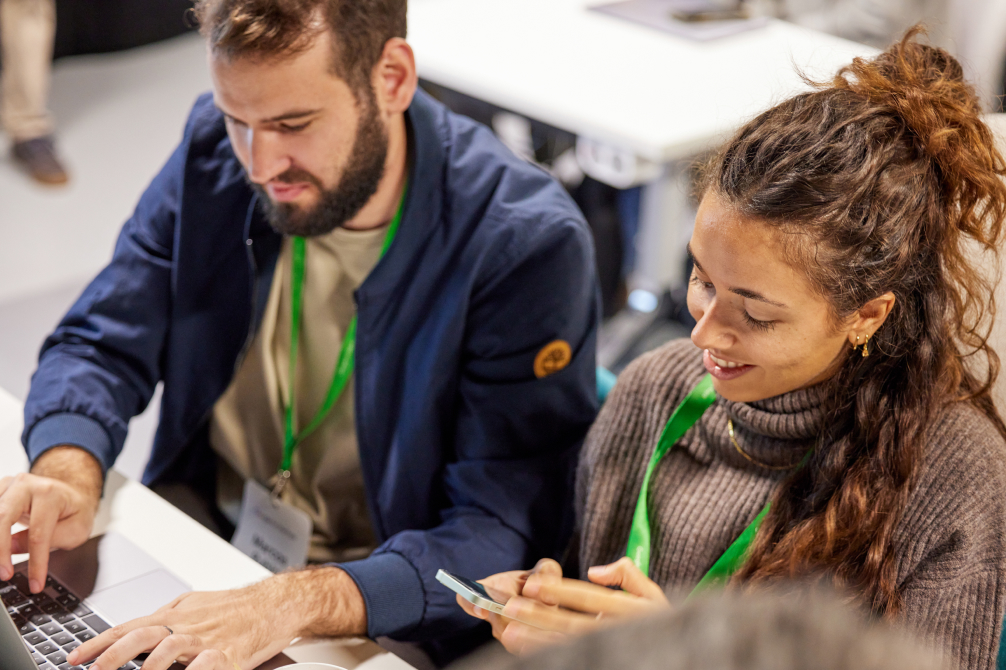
(57, 502)
(246, 627)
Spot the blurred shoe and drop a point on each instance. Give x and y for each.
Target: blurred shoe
(38, 157)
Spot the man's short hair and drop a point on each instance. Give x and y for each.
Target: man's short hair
(266, 29)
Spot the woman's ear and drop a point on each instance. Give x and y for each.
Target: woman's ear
(870, 318)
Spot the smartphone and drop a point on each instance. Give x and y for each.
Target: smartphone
(471, 591)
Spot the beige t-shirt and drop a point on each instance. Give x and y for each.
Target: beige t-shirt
(247, 426)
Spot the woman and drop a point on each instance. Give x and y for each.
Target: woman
(844, 328)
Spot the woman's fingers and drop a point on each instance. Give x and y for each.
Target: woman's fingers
(547, 567)
(545, 617)
(583, 596)
(520, 639)
(624, 574)
(504, 585)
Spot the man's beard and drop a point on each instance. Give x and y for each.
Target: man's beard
(360, 179)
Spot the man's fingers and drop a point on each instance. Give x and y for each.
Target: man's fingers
(126, 648)
(521, 639)
(92, 648)
(41, 526)
(623, 573)
(182, 648)
(211, 659)
(13, 504)
(547, 618)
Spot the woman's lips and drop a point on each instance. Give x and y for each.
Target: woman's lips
(281, 192)
(723, 372)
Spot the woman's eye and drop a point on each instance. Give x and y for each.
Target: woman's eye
(704, 284)
(756, 324)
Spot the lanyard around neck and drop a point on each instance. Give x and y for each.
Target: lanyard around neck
(343, 367)
(684, 417)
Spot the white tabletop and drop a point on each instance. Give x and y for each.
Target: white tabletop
(658, 95)
(187, 549)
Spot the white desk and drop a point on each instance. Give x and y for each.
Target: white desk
(655, 96)
(191, 552)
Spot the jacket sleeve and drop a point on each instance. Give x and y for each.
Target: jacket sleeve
(517, 435)
(100, 366)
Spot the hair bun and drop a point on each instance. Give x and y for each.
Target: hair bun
(924, 86)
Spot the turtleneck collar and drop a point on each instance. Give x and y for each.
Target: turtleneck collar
(776, 431)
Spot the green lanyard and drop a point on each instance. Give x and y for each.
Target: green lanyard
(344, 366)
(683, 418)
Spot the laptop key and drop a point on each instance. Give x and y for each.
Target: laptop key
(25, 628)
(54, 585)
(62, 638)
(57, 659)
(52, 608)
(13, 598)
(81, 610)
(75, 626)
(96, 624)
(51, 628)
(34, 638)
(63, 617)
(38, 658)
(68, 600)
(85, 636)
(20, 580)
(46, 648)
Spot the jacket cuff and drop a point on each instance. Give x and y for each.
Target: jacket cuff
(69, 429)
(392, 591)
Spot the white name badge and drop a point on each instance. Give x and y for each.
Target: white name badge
(274, 534)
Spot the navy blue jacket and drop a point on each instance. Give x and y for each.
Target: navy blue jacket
(467, 455)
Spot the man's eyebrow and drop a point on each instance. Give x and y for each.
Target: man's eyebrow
(286, 116)
(296, 114)
(742, 292)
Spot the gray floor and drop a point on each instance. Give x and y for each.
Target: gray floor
(119, 116)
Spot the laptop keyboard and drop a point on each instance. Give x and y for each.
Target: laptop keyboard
(52, 623)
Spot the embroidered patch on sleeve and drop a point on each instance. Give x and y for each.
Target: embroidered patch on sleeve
(552, 358)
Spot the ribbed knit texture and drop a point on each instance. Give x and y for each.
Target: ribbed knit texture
(950, 546)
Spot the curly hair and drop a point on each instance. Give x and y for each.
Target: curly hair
(883, 180)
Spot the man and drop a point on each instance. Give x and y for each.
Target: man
(316, 177)
(27, 30)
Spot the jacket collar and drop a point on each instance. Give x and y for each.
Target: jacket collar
(425, 121)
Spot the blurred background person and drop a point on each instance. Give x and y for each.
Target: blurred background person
(763, 631)
(27, 31)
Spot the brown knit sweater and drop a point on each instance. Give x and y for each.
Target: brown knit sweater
(950, 546)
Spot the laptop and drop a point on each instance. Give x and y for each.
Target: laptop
(106, 581)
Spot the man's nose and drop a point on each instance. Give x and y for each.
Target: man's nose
(266, 157)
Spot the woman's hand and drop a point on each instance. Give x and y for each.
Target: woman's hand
(543, 608)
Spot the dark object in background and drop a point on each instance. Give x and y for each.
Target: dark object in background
(99, 26)
(599, 204)
(597, 201)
